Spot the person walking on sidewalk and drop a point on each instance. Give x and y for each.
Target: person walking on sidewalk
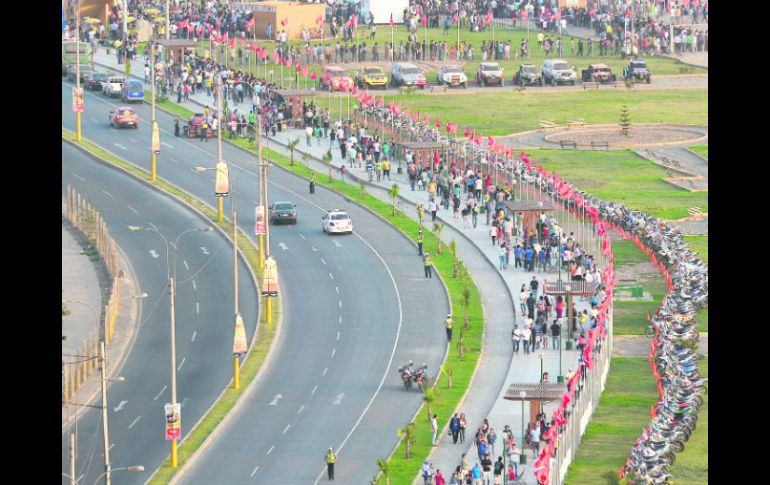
(555, 334)
(330, 459)
(428, 265)
(449, 323)
(534, 284)
(516, 336)
(523, 296)
(434, 429)
(526, 338)
(419, 242)
(312, 184)
(454, 427)
(463, 425)
(493, 233)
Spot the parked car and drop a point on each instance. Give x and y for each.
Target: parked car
(337, 220)
(132, 90)
(124, 116)
(113, 85)
(557, 71)
(637, 71)
(95, 81)
(452, 76)
(489, 73)
(406, 74)
(598, 73)
(85, 73)
(372, 77)
(528, 75)
(335, 78)
(281, 212)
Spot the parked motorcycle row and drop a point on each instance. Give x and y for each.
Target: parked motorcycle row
(411, 376)
(674, 348)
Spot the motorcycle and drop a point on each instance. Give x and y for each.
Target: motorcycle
(411, 376)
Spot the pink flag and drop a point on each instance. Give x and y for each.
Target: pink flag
(456, 18)
(438, 125)
(304, 72)
(250, 24)
(426, 120)
(313, 75)
(285, 22)
(466, 132)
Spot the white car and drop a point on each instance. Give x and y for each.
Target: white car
(337, 221)
(112, 86)
(452, 76)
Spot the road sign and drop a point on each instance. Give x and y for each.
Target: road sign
(77, 100)
(173, 421)
(155, 137)
(222, 184)
(260, 218)
(239, 340)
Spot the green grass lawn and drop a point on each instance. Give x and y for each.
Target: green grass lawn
(702, 150)
(523, 109)
(622, 176)
(692, 465)
(624, 410)
(627, 253)
(699, 244)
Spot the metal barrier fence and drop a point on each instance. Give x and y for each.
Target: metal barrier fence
(86, 219)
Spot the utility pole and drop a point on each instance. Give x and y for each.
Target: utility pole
(220, 204)
(73, 450)
(236, 361)
(105, 428)
(259, 195)
(78, 117)
(173, 366)
(154, 122)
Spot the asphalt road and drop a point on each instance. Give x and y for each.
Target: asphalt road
(355, 308)
(204, 320)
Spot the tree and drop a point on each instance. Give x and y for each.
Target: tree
(466, 301)
(625, 121)
(429, 398)
(393, 193)
(448, 372)
(453, 249)
(362, 188)
(408, 436)
(292, 145)
(437, 229)
(327, 159)
(306, 160)
(384, 469)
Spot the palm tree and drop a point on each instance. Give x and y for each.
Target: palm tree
(407, 434)
(466, 301)
(393, 193)
(384, 469)
(448, 372)
(362, 188)
(437, 229)
(429, 398)
(327, 159)
(453, 249)
(461, 344)
(306, 160)
(292, 145)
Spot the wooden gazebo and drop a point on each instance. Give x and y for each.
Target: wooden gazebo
(174, 48)
(423, 150)
(529, 210)
(536, 394)
(295, 97)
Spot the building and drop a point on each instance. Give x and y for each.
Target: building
(296, 16)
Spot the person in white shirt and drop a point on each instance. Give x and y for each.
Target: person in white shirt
(516, 337)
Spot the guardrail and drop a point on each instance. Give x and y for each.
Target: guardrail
(88, 221)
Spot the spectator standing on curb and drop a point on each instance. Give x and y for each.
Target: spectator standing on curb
(516, 336)
(419, 242)
(330, 459)
(449, 323)
(463, 425)
(434, 429)
(555, 334)
(427, 263)
(427, 472)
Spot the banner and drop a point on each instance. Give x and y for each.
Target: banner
(222, 185)
(155, 137)
(78, 104)
(270, 278)
(239, 339)
(259, 230)
(173, 421)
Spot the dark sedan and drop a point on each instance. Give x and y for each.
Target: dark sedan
(94, 83)
(283, 212)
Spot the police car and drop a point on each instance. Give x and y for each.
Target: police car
(337, 220)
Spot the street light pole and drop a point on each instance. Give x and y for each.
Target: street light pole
(523, 456)
(152, 82)
(78, 119)
(236, 361)
(173, 364)
(73, 450)
(220, 204)
(168, 21)
(560, 377)
(104, 414)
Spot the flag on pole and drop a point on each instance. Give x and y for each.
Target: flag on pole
(424, 19)
(319, 20)
(304, 72)
(456, 18)
(391, 20)
(313, 75)
(438, 125)
(467, 132)
(426, 119)
(183, 24)
(488, 18)
(285, 22)
(242, 41)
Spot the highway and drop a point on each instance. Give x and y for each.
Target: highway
(204, 321)
(355, 308)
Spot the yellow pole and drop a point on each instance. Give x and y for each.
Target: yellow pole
(174, 462)
(71, 380)
(89, 367)
(79, 128)
(261, 252)
(268, 313)
(96, 345)
(236, 373)
(66, 384)
(220, 206)
(84, 362)
(154, 167)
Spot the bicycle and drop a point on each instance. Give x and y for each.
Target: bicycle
(649, 331)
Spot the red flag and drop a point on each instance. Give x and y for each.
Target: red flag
(456, 18)
(353, 20)
(313, 75)
(398, 109)
(490, 141)
(455, 127)
(285, 22)
(488, 18)
(448, 127)
(243, 41)
(184, 23)
(416, 116)
(426, 120)
(391, 20)
(438, 125)
(231, 44)
(264, 53)
(424, 20)
(355, 89)
(467, 132)
(297, 67)
(304, 72)
(319, 20)
(326, 77)
(408, 111)
(473, 135)
(380, 102)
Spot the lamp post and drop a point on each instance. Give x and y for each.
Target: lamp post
(523, 456)
(155, 131)
(172, 288)
(568, 340)
(78, 117)
(560, 377)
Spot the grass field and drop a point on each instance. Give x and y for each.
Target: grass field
(521, 111)
(622, 176)
(702, 150)
(699, 244)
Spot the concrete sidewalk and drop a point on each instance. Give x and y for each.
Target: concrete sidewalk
(499, 290)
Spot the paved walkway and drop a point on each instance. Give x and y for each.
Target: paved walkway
(497, 368)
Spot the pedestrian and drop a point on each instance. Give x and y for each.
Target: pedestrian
(493, 233)
(516, 335)
(555, 333)
(463, 424)
(454, 427)
(419, 242)
(523, 296)
(499, 468)
(486, 469)
(428, 264)
(176, 126)
(526, 338)
(439, 478)
(204, 129)
(449, 323)
(427, 472)
(534, 284)
(501, 256)
(434, 429)
(312, 184)
(343, 171)
(330, 458)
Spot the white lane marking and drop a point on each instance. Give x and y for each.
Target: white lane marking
(174, 160)
(195, 332)
(110, 446)
(331, 276)
(274, 402)
(155, 227)
(271, 449)
(338, 335)
(120, 406)
(336, 243)
(120, 146)
(134, 210)
(181, 364)
(185, 264)
(255, 471)
(314, 390)
(154, 254)
(338, 399)
(133, 141)
(195, 287)
(286, 428)
(314, 248)
(205, 251)
(108, 194)
(340, 303)
(334, 351)
(93, 120)
(302, 235)
(340, 319)
(161, 392)
(323, 260)
(78, 176)
(338, 290)
(302, 408)
(197, 308)
(166, 144)
(325, 371)
(282, 246)
(134, 422)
